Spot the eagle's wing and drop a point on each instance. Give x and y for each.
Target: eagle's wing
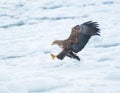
(73, 38)
(87, 30)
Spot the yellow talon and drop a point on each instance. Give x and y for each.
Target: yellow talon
(53, 56)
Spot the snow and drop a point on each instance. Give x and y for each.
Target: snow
(27, 29)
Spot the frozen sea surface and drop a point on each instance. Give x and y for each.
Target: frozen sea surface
(27, 29)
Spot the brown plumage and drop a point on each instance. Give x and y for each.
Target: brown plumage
(77, 40)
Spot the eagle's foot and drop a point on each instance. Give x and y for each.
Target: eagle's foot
(53, 56)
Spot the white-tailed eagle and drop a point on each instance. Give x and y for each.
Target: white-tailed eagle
(77, 40)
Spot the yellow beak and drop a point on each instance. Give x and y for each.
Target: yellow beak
(52, 44)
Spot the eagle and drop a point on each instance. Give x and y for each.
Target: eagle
(77, 40)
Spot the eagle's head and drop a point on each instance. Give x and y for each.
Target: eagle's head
(58, 42)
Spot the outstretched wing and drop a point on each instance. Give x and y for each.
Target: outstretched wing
(88, 29)
(73, 38)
